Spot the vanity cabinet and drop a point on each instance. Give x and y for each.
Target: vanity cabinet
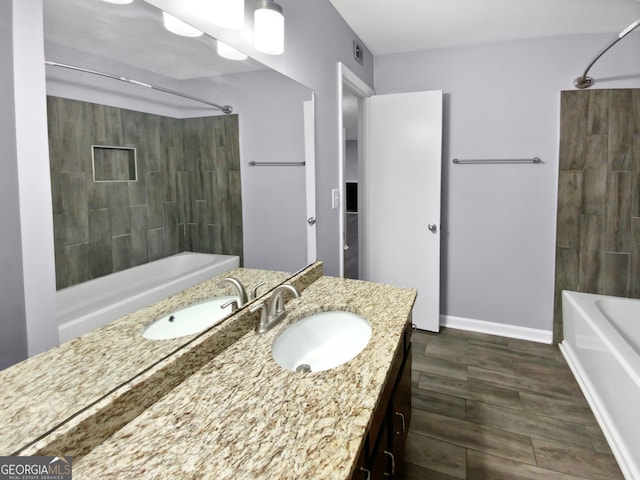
(382, 451)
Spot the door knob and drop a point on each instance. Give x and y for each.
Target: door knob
(311, 220)
(432, 227)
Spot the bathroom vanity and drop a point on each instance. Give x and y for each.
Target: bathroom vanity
(382, 450)
(241, 415)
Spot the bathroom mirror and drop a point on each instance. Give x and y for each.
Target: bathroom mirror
(265, 219)
(268, 116)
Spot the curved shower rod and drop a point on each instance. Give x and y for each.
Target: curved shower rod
(585, 82)
(227, 109)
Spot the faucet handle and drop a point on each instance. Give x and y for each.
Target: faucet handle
(263, 315)
(237, 284)
(233, 303)
(254, 292)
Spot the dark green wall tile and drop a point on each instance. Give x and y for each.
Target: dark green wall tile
(598, 112)
(155, 199)
(634, 259)
(121, 252)
(591, 240)
(171, 238)
(569, 208)
(98, 195)
(119, 208)
(594, 175)
(635, 178)
(139, 240)
(618, 212)
(215, 239)
(74, 203)
(156, 243)
(614, 274)
(76, 264)
(573, 127)
(100, 245)
(621, 130)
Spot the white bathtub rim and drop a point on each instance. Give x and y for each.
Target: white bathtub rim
(625, 460)
(621, 350)
(232, 261)
(89, 321)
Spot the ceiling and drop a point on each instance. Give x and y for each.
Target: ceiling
(133, 34)
(393, 26)
(127, 33)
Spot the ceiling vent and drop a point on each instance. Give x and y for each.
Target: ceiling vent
(358, 52)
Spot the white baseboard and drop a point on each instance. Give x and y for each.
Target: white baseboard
(501, 329)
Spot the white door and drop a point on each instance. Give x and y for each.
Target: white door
(401, 210)
(310, 178)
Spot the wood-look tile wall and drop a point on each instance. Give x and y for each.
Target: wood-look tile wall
(187, 196)
(598, 231)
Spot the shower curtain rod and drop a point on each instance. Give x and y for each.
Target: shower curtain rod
(225, 108)
(585, 82)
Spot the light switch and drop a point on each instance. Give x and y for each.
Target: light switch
(335, 198)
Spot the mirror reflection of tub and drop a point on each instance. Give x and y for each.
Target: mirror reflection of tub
(90, 305)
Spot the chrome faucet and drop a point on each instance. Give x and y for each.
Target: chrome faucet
(242, 292)
(254, 292)
(274, 312)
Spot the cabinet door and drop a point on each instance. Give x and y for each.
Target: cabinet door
(362, 470)
(400, 411)
(383, 462)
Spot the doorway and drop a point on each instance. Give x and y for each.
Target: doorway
(352, 92)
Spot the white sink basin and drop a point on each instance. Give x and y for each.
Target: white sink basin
(321, 341)
(189, 320)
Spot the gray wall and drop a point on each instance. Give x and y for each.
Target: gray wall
(270, 111)
(351, 161)
(13, 328)
(502, 100)
(27, 251)
(316, 38)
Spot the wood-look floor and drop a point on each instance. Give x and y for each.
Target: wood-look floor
(487, 407)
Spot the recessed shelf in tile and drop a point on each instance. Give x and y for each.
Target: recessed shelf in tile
(114, 164)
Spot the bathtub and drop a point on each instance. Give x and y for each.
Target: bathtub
(89, 305)
(602, 346)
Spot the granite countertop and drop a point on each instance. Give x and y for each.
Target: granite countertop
(242, 416)
(49, 389)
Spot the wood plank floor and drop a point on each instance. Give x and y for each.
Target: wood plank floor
(487, 407)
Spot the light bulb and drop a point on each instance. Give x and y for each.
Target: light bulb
(230, 53)
(177, 26)
(268, 28)
(222, 13)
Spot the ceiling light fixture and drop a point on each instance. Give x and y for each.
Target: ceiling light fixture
(268, 35)
(230, 53)
(222, 13)
(119, 2)
(177, 26)
(227, 13)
